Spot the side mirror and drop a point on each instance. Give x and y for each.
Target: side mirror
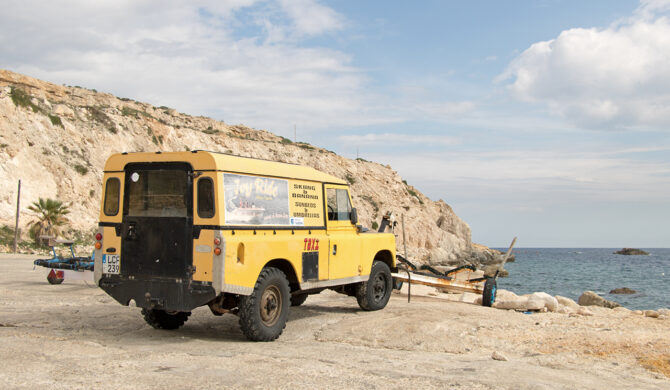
(353, 216)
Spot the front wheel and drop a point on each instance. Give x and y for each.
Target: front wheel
(375, 293)
(168, 320)
(263, 314)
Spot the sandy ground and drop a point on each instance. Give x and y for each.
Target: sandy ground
(75, 336)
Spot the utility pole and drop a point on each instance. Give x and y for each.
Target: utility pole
(295, 134)
(357, 153)
(16, 227)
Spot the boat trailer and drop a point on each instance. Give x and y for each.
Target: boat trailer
(71, 268)
(457, 280)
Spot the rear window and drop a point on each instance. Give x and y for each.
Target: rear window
(112, 191)
(158, 193)
(205, 198)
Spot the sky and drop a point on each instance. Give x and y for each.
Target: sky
(548, 120)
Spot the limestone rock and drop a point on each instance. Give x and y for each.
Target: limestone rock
(567, 302)
(549, 302)
(498, 356)
(623, 290)
(651, 313)
(538, 301)
(582, 311)
(503, 295)
(631, 252)
(590, 298)
(44, 155)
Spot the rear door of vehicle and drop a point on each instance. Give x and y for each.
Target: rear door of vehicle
(157, 225)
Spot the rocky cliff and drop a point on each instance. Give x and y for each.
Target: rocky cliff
(56, 140)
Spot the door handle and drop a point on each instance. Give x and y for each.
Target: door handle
(131, 232)
(335, 249)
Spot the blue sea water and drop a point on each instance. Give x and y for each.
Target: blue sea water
(570, 272)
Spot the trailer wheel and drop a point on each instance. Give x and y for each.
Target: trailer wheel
(263, 314)
(489, 294)
(161, 319)
(298, 299)
(375, 293)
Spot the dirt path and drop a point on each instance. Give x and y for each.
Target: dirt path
(75, 336)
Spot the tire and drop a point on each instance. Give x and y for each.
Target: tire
(263, 314)
(489, 294)
(54, 280)
(375, 293)
(298, 299)
(161, 319)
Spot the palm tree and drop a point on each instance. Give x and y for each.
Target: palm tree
(50, 216)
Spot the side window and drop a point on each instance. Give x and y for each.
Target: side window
(112, 192)
(339, 207)
(205, 198)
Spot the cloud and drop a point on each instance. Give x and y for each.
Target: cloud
(543, 176)
(615, 77)
(311, 18)
(398, 139)
(204, 57)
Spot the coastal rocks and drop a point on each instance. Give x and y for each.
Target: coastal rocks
(490, 271)
(631, 252)
(543, 300)
(538, 301)
(567, 302)
(651, 313)
(590, 298)
(623, 290)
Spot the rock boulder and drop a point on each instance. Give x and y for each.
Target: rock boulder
(631, 252)
(590, 298)
(623, 290)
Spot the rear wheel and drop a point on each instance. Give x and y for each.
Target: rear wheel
(375, 293)
(298, 299)
(168, 320)
(489, 294)
(263, 314)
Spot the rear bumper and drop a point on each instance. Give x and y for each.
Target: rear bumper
(158, 294)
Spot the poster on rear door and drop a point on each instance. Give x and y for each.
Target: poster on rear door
(255, 200)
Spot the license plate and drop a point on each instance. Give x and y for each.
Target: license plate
(111, 264)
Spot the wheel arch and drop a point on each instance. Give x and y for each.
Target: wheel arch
(287, 268)
(386, 257)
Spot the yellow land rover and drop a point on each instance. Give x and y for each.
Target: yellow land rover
(245, 236)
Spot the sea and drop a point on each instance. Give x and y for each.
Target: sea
(571, 271)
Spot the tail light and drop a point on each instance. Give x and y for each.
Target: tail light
(98, 239)
(217, 249)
